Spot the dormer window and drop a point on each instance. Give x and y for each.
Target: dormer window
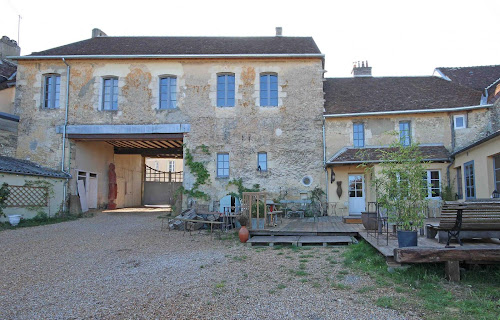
(52, 90)
(459, 121)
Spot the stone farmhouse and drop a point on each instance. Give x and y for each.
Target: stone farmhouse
(245, 110)
(440, 115)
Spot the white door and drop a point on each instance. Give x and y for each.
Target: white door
(92, 192)
(356, 193)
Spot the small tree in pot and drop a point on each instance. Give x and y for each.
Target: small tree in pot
(401, 189)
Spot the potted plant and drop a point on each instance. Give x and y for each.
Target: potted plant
(243, 233)
(401, 190)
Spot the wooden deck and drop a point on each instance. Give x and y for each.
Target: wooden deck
(323, 226)
(391, 249)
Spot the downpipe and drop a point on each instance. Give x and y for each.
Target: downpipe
(63, 157)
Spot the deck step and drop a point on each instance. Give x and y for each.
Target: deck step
(352, 219)
(300, 240)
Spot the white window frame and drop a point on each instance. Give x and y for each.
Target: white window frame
(429, 185)
(455, 117)
(171, 166)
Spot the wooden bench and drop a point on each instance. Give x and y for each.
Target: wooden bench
(210, 222)
(468, 220)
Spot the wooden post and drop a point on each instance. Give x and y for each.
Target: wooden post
(452, 271)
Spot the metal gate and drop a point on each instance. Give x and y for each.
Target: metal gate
(160, 187)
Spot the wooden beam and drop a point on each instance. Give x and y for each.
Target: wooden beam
(146, 136)
(150, 151)
(429, 254)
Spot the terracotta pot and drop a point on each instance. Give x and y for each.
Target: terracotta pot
(244, 234)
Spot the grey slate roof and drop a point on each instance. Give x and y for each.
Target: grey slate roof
(480, 141)
(186, 46)
(17, 166)
(376, 94)
(7, 74)
(374, 154)
(477, 78)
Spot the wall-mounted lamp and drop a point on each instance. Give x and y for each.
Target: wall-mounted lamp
(332, 177)
(259, 168)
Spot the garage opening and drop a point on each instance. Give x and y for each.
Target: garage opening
(162, 180)
(147, 168)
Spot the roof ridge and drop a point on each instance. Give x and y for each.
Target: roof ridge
(463, 67)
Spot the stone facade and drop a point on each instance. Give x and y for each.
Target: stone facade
(290, 133)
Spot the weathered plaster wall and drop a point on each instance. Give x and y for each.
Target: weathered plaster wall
(7, 97)
(55, 202)
(290, 133)
(425, 129)
(93, 157)
(479, 125)
(8, 137)
(482, 156)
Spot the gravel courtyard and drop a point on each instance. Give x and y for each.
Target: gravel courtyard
(120, 265)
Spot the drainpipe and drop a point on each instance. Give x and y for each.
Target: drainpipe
(65, 187)
(324, 163)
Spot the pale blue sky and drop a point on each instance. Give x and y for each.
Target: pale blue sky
(396, 37)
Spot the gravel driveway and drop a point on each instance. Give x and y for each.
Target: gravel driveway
(120, 265)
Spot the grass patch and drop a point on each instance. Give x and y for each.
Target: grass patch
(316, 285)
(366, 289)
(26, 223)
(281, 286)
(304, 280)
(303, 260)
(385, 302)
(340, 286)
(240, 258)
(424, 289)
(298, 273)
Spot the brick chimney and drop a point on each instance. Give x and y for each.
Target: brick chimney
(9, 47)
(279, 31)
(98, 33)
(361, 69)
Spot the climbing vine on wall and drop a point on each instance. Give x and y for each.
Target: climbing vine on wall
(4, 193)
(41, 214)
(239, 184)
(200, 173)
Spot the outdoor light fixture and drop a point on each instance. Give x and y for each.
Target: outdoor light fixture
(332, 179)
(495, 194)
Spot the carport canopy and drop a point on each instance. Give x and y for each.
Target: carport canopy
(147, 140)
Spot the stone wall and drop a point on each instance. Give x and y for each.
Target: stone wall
(425, 129)
(8, 137)
(291, 133)
(480, 123)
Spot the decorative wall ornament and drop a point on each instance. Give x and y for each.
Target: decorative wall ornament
(339, 188)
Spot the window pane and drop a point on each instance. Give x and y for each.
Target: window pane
(459, 122)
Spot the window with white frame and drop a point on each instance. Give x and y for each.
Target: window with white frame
(432, 181)
(459, 121)
(168, 92)
(405, 133)
(262, 161)
(358, 135)
(171, 166)
(269, 90)
(225, 90)
(52, 90)
(223, 165)
(470, 183)
(110, 93)
(460, 193)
